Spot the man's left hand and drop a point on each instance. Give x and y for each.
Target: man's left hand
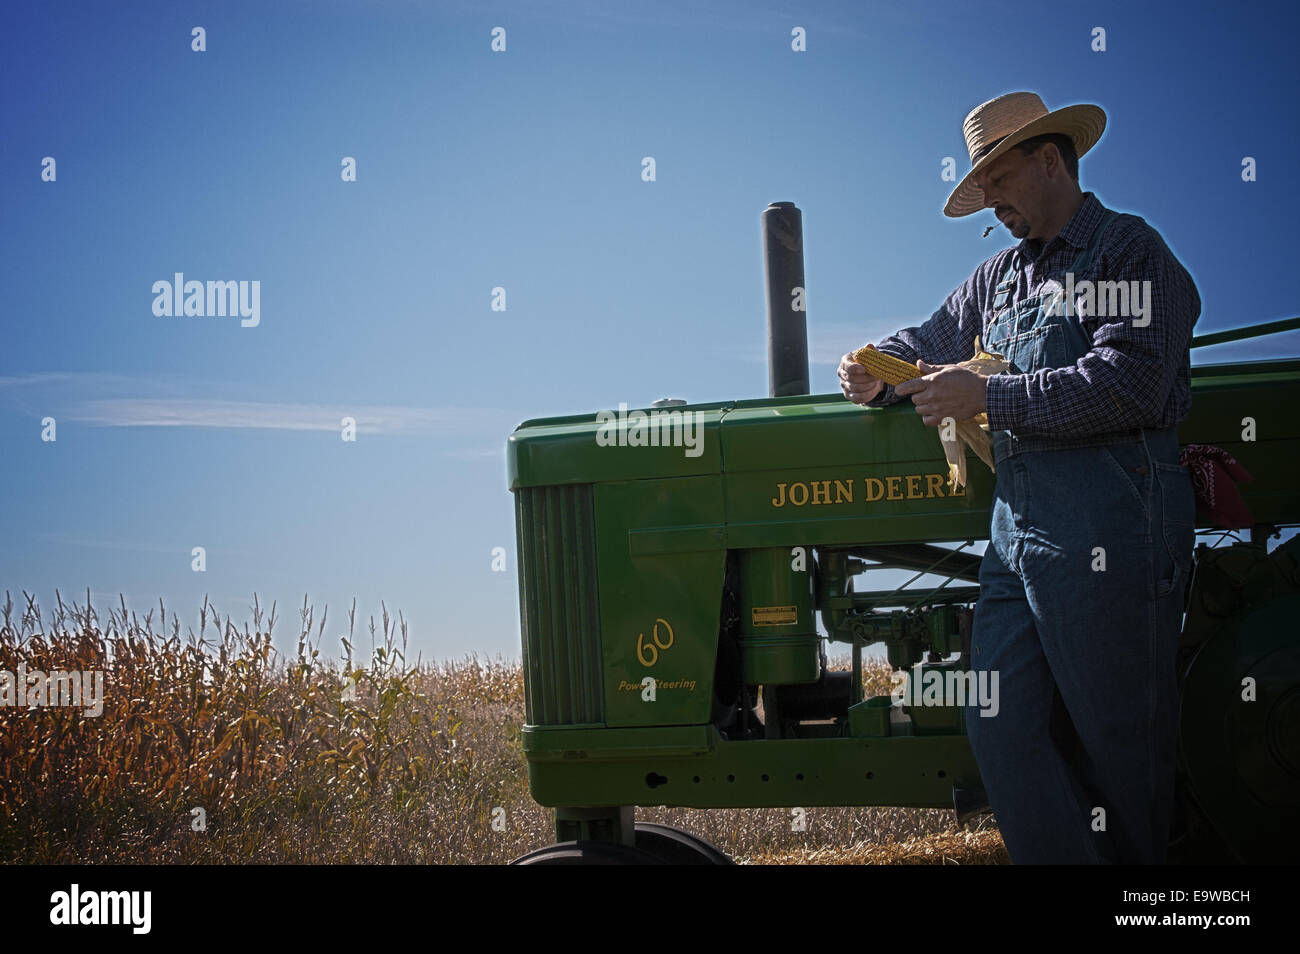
(946, 390)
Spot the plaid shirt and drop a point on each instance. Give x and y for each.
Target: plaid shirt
(1133, 377)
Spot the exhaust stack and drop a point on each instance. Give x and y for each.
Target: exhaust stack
(787, 329)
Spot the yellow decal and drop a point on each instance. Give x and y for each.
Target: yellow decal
(648, 653)
(775, 615)
(813, 493)
(687, 684)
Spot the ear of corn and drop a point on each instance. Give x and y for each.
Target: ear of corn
(886, 367)
(971, 433)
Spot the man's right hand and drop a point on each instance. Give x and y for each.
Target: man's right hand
(858, 384)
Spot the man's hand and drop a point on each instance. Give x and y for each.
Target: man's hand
(946, 390)
(858, 385)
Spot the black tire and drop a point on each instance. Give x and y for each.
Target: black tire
(676, 847)
(588, 853)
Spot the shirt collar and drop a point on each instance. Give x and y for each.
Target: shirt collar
(1076, 232)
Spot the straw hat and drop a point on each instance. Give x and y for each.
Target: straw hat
(994, 127)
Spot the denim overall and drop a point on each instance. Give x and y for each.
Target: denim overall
(1080, 608)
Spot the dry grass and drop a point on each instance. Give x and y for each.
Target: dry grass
(948, 848)
(300, 760)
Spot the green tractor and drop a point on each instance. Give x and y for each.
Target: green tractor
(674, 560)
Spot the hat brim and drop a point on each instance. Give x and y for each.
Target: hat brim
(1083, 123)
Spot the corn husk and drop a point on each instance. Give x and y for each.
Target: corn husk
(972, 433)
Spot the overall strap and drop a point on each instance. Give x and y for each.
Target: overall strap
(1007, 283)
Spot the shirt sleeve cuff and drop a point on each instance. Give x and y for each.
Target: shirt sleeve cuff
(884, 398)
(1005, 401)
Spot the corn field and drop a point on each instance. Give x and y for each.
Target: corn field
(214, 748)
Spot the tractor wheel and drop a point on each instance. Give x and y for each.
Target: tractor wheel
(589, 853)
(677, 847)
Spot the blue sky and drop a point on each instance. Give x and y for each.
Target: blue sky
(522, 170)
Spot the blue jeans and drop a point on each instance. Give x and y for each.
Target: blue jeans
(1078, 762)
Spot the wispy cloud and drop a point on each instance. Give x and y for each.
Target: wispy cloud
(118, 400)
(37, 379)
(133, 546)
(202, 412)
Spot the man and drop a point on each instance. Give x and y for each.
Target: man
(1091, 524)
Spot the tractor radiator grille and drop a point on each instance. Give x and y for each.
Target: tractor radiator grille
(558, 607)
